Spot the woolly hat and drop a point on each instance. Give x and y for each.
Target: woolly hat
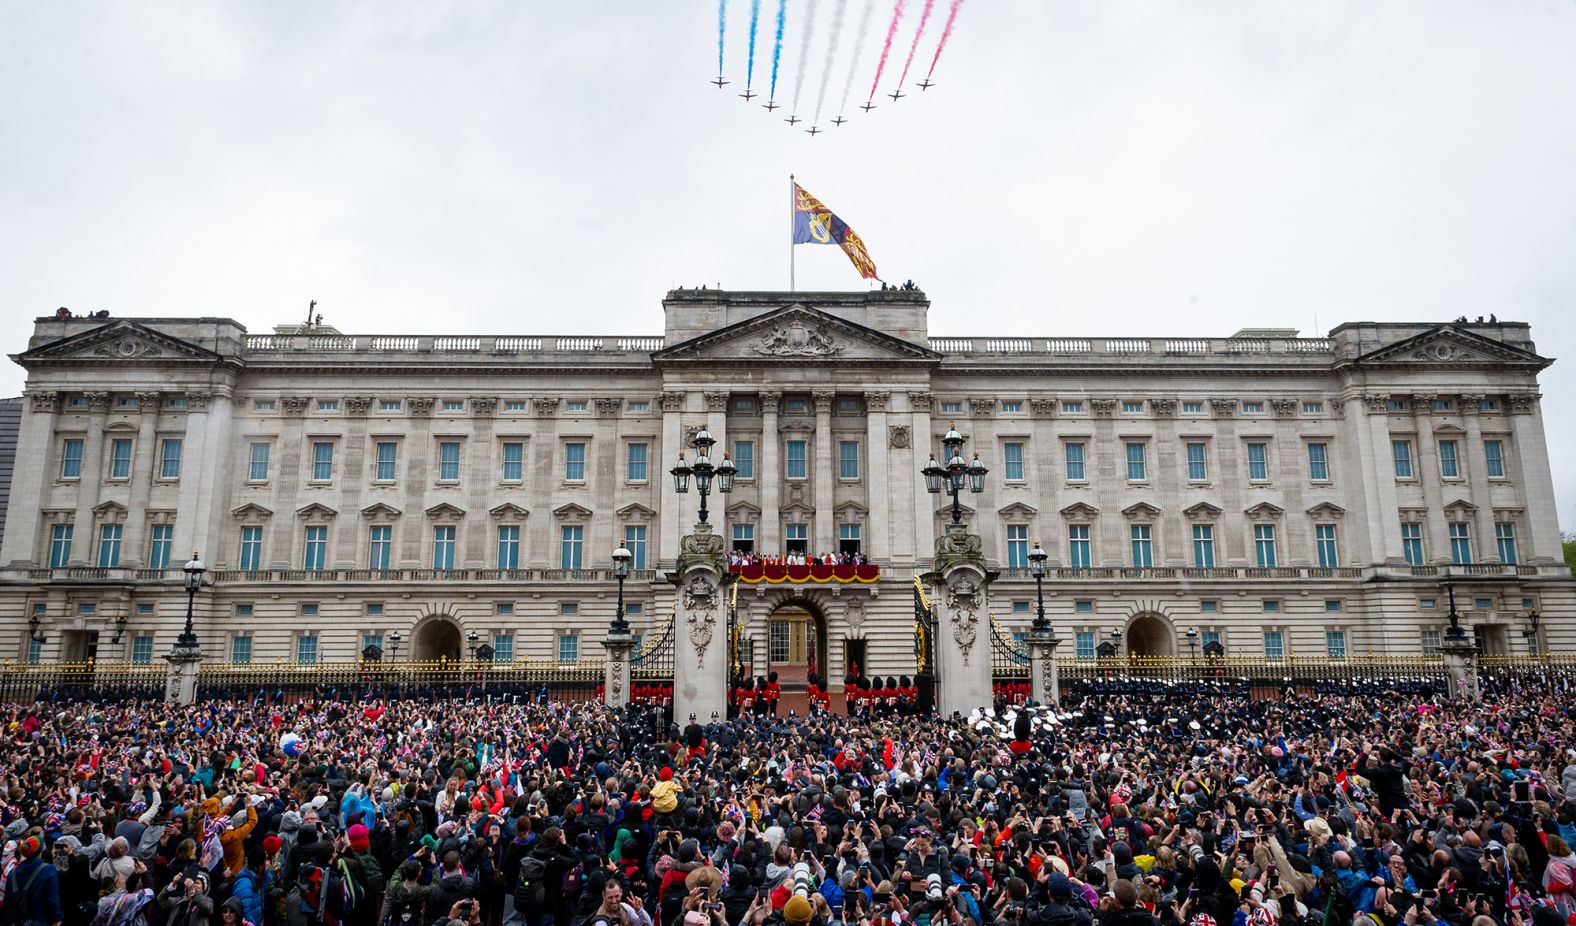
(359, 840)
(796, 911)
(272, 844)
(29, 847)
(666, 774)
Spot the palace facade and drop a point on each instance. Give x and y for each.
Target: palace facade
(1281, 496)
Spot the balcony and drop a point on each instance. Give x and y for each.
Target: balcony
(821, 573)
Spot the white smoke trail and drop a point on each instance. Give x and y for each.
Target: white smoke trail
(804, 53)
(831, 54)
(859, 43)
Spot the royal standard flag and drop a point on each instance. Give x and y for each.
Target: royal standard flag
(813, 223)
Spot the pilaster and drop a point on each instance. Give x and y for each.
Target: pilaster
(700, 651)
(960, 599)
(769, 476)
(36, 435)
(824, 476)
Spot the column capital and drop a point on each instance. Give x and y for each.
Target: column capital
(672, 401)
(357, 405)
(823, 401)
(1523, 403)
(920, 401)
(877, 401)
(716, 401)
(1470, 403)
(1223, 408)
(43, 400)
(293, 405)
(770, 400)
(1043, 408)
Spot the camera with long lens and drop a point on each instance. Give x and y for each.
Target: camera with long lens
(803, 880)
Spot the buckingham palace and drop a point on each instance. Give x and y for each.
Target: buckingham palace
(1265, 494)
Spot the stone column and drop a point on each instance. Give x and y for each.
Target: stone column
(481, 451)
(143, 460)
(1045, 682)
(717, 423)
(1470, 457)
(670, 503)
(615, 668)
(877, 478)
(824, 472)
(1531, 453)
(923, 440)
(1377, 467)
(1426, 472)
(700, 646)
(22, 545)
(1460, 654)
(180, 678)
(962, 636)
(769, 476)
(85, 545)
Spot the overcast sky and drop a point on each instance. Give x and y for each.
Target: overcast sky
(1098, 167)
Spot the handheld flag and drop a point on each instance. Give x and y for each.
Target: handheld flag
(813, 223)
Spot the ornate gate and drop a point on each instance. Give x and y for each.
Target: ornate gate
(924, 651)
(651, 668)
(1009, 665)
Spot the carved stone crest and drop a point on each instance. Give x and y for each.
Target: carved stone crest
(294, 405)
(1284, 408)
(796, 339)
(700, 601)
(1223, 408)
(1043, 408)
(963, 601)
(43, 401)
(484, 405)
(898, 436)
(419, 405)
(357, 404)
(1163, 408)
(1102, 408)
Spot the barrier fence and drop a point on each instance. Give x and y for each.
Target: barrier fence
(578, 681)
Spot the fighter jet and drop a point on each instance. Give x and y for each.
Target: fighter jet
(897, 95)
(792, 119)
(813, 131)
(719, 81)
(747, 95)
(926, 84)
(769, 105)
(868, 106)
(839, 120)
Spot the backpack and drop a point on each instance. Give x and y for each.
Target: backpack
(342, 894)
(531, 887)
(571, 882)
(308, 891)
(402, 913)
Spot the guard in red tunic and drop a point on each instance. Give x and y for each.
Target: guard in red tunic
(774, 693)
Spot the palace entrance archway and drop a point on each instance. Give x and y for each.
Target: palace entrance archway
(795, 644)
(1149, 635)
(437, 638)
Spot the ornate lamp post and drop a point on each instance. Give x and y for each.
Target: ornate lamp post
(1459, 652)
(394, 640)
(1531, 633)
(471, 639)
(955, 472)
(621, 560)
(1192, 643)
(185, 658)
(703, 470)
(1037, 558)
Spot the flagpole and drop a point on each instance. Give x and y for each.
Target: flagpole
(790, 233)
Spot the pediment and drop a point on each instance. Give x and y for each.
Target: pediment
(1461, 506)
(1448, 345)
(1264, 511)
(316, 510)
(251, 511)
(946, 510)
(797, 332)
(636, 513)
(1203, 511)
(1326, 511)
(446, 511)
(1450, 430)
(743, 513)
(1018, 510)
(121, 341)
(109, 508)
(380, 511)
(796, 510)
(1080, 511)
(850, 510)
(572, 512)
(1143, 511)
(509, 511)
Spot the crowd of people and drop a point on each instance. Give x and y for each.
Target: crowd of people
(1144, 805)
(795, 558)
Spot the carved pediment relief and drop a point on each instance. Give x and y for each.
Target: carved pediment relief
(119, 341)
(380, 512)
(1264, 511)
(796, 510)
(572, 513)
(743, 513)
(850, 513)
(509, 511)
(1326, 511)
(110, 513)
(316, 512)
(1080, 511)
(1203, 511)
(1143, 511)
(636, 513)
(1018, 510)
(251, 512)
(443, 511)
(796, 332)
(1460, 510)
(1450, 345)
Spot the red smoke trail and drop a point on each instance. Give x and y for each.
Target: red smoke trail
(946, 33)
(897, 16)
(924, 17)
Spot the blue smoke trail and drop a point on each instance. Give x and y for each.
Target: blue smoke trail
(755, 18)
(722, 29)
(777, 44)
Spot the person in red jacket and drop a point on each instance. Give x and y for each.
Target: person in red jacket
(774, 693)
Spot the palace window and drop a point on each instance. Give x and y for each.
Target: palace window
(1078, 546)
(1494, 459)
(1204, 546)
(120, 459)
(1197, 462)
(1318, 462)
(509, 546)
(170, 459)
(257, 468)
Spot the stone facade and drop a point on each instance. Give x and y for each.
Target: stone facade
(342, 487)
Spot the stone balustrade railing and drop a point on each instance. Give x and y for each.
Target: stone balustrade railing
(1160, 347)
(278, 344)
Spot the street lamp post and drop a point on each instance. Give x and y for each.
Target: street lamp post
(394, 640)
(1455, 631)
(955, 472)
(472, 639)
(194, 568)
(621, 560)
(703, 470)
(1037, 558)
(1192, 643)
(1459, 652)
(1531, 633)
